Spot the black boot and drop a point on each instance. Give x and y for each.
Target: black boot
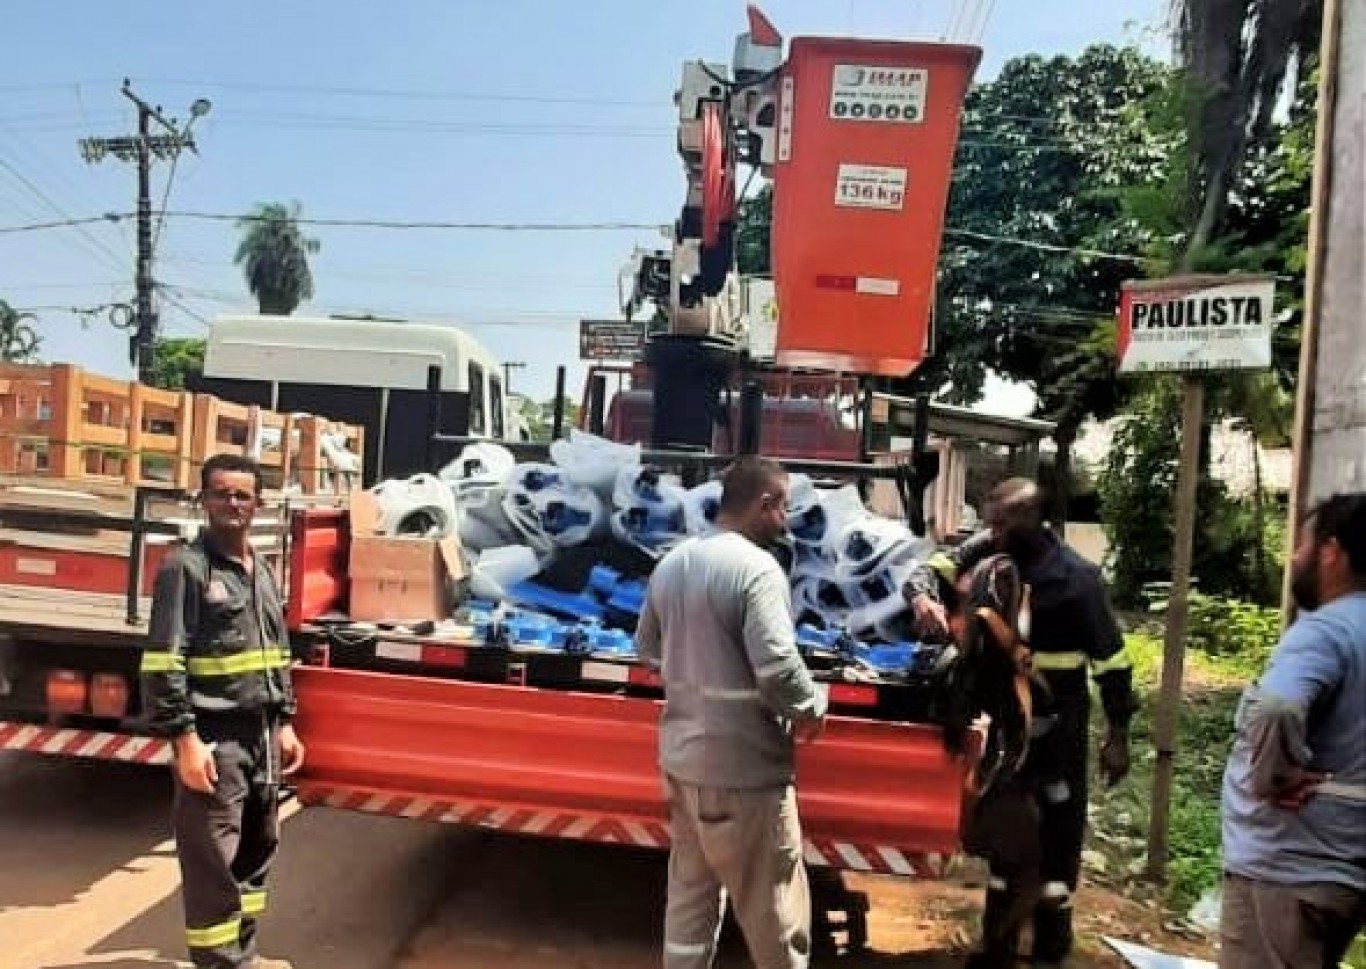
(1052, 935)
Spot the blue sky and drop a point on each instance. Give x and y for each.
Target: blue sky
(442, 110)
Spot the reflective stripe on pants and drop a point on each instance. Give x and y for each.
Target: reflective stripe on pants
(745, 846)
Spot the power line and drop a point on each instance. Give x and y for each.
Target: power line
(413, 95)
(557, 227)
(1047, 247)
(400, 224)
(94, 244)
(64, 223)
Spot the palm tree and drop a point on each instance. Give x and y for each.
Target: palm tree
(19, 341)
(1237, 55)
(274, 255)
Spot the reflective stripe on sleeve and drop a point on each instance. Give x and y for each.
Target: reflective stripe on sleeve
(161, 661)
(1120, 661)
(943, 565)
(1059, 661)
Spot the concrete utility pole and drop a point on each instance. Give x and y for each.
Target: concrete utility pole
(508, 367)
(140, 148)
(1330, 413)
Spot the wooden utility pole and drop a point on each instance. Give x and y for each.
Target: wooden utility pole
(1174, 642)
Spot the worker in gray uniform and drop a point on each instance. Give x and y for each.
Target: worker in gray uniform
(1072, 630)
(718, 623)
(215, 679)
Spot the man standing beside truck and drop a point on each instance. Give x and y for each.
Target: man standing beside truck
(1071, 629)
(718, 622)
(215, 676)
(1294, 798)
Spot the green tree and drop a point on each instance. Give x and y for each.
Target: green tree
(540, 417)
(753, 220)
(19, 339)
(274, 255)
(175, 362)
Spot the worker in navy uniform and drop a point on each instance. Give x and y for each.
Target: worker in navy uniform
(215, 679)
(1072, 630)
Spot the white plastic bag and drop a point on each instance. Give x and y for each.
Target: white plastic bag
(593, 462)
(498, 568)
(420, 505)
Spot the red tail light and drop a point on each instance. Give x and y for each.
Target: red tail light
(67, 692)
(109, 695)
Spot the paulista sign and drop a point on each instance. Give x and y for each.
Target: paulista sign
(1196, 323)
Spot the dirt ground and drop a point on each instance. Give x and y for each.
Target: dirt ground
(534, 905)
(88, 878)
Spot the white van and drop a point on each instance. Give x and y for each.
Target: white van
(368, 372)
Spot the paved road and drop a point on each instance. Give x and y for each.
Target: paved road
(88, 878)
(88, 875)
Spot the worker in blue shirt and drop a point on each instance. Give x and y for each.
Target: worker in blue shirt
(1294, 798)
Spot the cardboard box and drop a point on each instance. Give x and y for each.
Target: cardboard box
(399, 580)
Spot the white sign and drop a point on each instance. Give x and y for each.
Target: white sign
(865, 92)
(1194, 323)
(871, 187)
(761, 312)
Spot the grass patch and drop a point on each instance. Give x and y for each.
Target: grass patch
(1119, 818)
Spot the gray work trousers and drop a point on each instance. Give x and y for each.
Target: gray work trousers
(1269, 926)
(745, 846)
(226, 842)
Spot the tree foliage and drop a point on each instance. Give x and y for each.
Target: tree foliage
(19, 339)
(1235, 553)
(175, 362)
(274, 255)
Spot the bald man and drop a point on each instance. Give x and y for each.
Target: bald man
(1072, 629)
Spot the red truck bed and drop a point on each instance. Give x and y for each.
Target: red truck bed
(563, 762)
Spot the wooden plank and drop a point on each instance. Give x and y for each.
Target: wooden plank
(62, 610)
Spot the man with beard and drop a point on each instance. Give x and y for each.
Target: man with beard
(1071, 629)
(1294, 798)
(718, 623)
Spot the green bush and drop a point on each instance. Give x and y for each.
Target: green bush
(1243, 633)
(1239, 547)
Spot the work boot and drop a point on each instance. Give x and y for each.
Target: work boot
(1052, 935)
(263, 963)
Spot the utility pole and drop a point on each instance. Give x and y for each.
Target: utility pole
(140, 149)
(1330, 414)
(508, 367)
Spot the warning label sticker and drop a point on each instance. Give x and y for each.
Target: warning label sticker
(871, 187)
(884, 94)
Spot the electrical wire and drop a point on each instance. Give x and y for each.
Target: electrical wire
(64, 223)
(94, 245)
(399, 224)
(556, 227)
(414, 95)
